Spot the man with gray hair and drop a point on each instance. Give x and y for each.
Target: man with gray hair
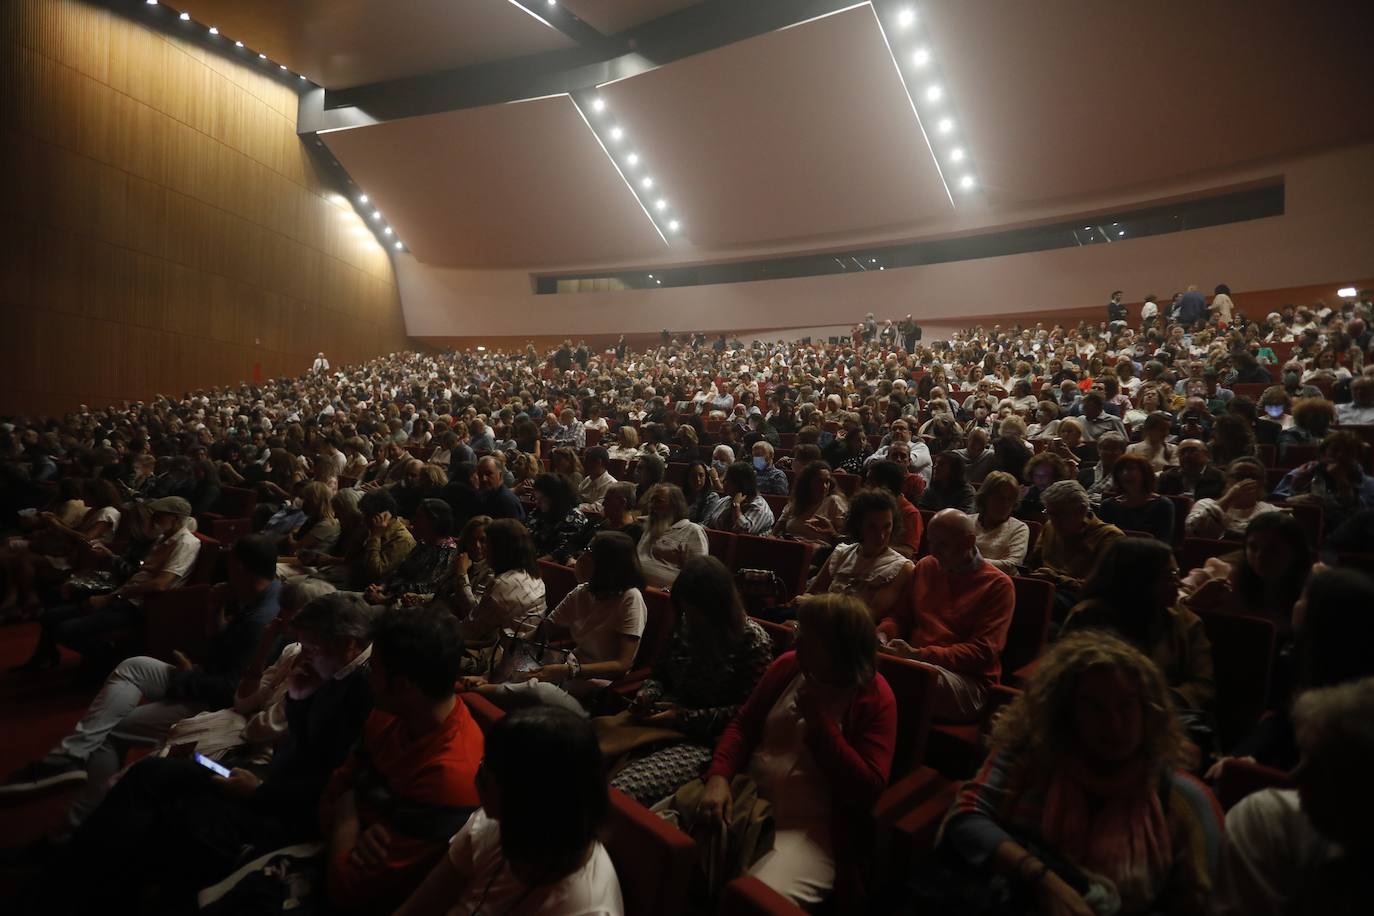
(771, 479)
(1071, 541)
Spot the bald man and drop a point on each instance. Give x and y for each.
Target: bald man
(957, 619)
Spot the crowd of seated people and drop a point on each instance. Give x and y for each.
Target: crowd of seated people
(498, 522)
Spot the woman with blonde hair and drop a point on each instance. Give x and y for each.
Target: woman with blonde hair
(626, 447)
(320, 528)
(1081, 806)
(1002, 539)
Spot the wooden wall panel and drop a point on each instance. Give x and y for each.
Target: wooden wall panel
(163, 228)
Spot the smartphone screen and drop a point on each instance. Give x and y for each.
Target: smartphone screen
(210, 764)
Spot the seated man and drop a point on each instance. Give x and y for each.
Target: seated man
(1195, 475)
(1071, 541)
(1096, 422)
(173, 824)
(494, 497)
(771, 480)
(957, 620)
(597, 480)
(390, 810)
(95, 750)
(1360, 410)
(978, 458)
(918, 453)
(83, 627)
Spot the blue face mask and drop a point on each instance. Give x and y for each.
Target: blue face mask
(760, 462)
(1274, 410)
(720, 467)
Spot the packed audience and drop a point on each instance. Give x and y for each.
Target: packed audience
(1042, 526)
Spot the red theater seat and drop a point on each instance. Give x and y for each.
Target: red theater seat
(653, 859)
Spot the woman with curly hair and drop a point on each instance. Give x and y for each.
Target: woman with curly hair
(1081, 804)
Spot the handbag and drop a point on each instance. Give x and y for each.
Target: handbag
(517, 655)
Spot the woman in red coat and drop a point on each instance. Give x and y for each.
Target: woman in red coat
(817, 738)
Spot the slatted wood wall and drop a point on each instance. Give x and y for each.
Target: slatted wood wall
(162, 228)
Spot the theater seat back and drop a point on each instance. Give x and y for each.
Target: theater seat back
(652, 858)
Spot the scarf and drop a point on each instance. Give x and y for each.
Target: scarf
(1110, 824)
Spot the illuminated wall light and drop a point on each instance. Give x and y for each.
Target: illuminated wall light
(946, 125)
(262, 57)
(1347, 292)
(617, 133)
(646, 182)
(934, 93)
(660, 204)
(966, 182)
(376, 214)
(906, 18)
(283, 66)
(185, 17)
(302, 76)
(151, 2)
(1087, 228)
(920, 58)
(398, 245)
(214, 31)
(553, 2)
(632, 159)
(674, 225)
(598, 104)
(956, 154)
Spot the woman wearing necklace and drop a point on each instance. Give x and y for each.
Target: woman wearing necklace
(531, 848)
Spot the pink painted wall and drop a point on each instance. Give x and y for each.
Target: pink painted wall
(1325, 234)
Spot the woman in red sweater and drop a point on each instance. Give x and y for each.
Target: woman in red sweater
(816, 736)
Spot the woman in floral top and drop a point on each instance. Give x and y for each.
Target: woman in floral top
(715, 657)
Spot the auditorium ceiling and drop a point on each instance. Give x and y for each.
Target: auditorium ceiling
(789, 125)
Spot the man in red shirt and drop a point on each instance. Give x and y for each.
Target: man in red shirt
(957, 619)
(410, 784)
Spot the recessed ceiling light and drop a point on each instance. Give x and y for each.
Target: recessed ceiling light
(966, 182)
(302, 76)
(906, 18)
(632, 159)
(386, 231)
(185, 17)
(362, 199)
(934, 93)
(553, 2)
(946, 125)
(238, 44)
(262, 56)
(1120, 232)
(674, 226)
(214, 31)
(659, 282)
(598, 104)
(152, 2)
(651, 276)
(283, 66)
(646, 182)
(398, 245)
(660, 204)
(376, 214)
(956, 154)
(921, 57)
(617, 133)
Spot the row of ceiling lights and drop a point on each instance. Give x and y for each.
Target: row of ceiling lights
(631, 167)
(920, 63)
(385, 234)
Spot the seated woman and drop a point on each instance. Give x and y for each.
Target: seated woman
(603, 617)
(698, 491)
(741, 509)
(1046, 425)
(515, 598)
(816, 737)
(626, 444)
(650, 470)
(1133, 592)
(815, 511)
(1336, 481)
(713, 660)
(670, 538)
(1154, 445)
(556, 524)
(565, 462)
(511, 856)
(524, 468)
(1228, 516)
(1264, 578)
(868, 568)
(319, 529)
(1002, 538)
(617, 513)
(1312, 420)
(1137, 507)
(949, 487)
(51, 551)
(1081, 799)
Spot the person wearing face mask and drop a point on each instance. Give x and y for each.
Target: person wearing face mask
(84, 627)
(1087, 762)
(816, 737)
(771, 479)
(957, 619)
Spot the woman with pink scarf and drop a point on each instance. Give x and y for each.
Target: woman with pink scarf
(1080, 808)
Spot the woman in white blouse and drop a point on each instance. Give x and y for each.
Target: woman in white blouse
(1154, 445)
(816, 510)
(669, 539)
(1002, 540)
(868, 568)
(515, 597)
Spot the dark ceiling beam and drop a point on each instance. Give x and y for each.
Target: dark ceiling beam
(597, 59)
